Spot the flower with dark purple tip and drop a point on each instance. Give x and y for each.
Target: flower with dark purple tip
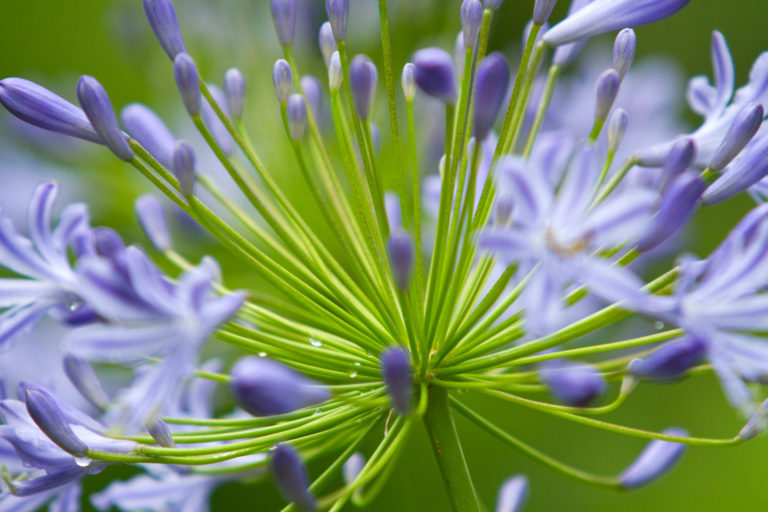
(512, 494)
(678, 204)
(183, 166)
(398, 376)
(491, 83)
(471, 19)
(670, 360)
(150, 131)
(326, 41)
(362, 80)
(575, 384)
(264, 387)
(656, 460)
(541, 10)
(36, 105)
(338, 15)
(606, 90)
(607, 15)
(282, 78)
(624, 51)
(162, 18)
(188, 82)
(284, 16)
(151, 216)
(435, 74)
(96, 105)
(744, 127)
(42, 407)
(290, 475)
(234, 90)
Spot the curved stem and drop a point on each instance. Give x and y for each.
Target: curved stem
(450, 457)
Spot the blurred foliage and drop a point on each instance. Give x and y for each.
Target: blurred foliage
(52, 41)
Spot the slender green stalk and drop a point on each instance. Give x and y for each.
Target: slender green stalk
(546, 99)
(449, 454)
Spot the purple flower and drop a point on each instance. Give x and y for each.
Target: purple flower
(234, 89)
(150, 131)
(264, 387)
(656, 460)
(398, 375)
(362, 80)
(291, 477)
(607, 15)
(38, 106)
(492, 81)
(512, 494)
(435, 74)
(148, 317)
(400, 252)
(188, 82)
(95, 102)
(284, 15)
(556, 232)
(670, 360)
(296, 114)
(51, 283)
(183, 164)
(151, 216)
(575, 384)
(162, 17)
(338, 15)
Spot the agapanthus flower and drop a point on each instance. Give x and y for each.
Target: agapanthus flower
(372, 298)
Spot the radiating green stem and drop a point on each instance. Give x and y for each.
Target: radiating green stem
(549, 89)
(449, 454)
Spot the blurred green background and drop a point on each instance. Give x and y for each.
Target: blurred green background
(53, 42)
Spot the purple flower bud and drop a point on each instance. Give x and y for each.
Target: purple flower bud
(149, 209)
(40, 107)
(214, 124)
(575, 384)
(492, 4)
(657, 458)
(607, 88)
(607, 15)
(81, 375)
(95, 102)
(398, 376)
(435, 74)
(745, 171)
(362, 80)
(565, 54)
(150, 131)
(757, 424)
(296, 112)
(512, 494)
(541, 10)
(492, 80)
(338, 14)
(184, 167)
(281, 79)
(375, 137)
(742, 129)
(284, 15)
(624, 51)
(680, 157)
(158, 429)
(264, 387)
(234, 90)
(326, 41)
(290, 475)
(670, 360)
(352, 467)
(313, 92)
(400, 251)
(188, 82)
(617, 127)
(42, 407)
(335, 73)
(408, 81)
(162, 18)
(677, 207)
(471, 19)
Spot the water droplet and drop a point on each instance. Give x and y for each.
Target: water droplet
(659, 325)
(357, 364)
(352, 375)
(73, 302)
(83, 462)
(315, 343)
(262, 354)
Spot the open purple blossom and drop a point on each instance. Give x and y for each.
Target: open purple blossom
(555, 233)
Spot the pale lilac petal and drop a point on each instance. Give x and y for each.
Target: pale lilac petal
(620, 219)
(217, 311)
(39, 219)
(20, 319)
(722, 64)
(613, 283)
(68, 500)
(507, 244)
(120, 343)
(143, 492)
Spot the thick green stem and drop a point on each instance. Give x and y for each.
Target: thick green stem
(450, 457)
